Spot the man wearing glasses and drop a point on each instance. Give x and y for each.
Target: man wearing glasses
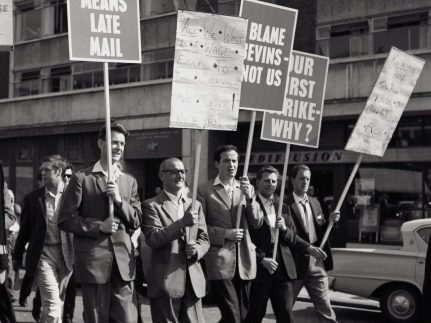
(49, 257)
(178, 238)
(105, 259)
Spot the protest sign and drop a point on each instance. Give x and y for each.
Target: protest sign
(6, 23)
(208, 65)
(269, 44)
(104, 31)
(301, 118)
(386, 103)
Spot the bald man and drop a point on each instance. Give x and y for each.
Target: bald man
(176, 282)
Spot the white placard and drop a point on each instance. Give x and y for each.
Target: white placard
(6, 23)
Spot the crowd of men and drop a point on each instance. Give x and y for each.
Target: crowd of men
(86, 226)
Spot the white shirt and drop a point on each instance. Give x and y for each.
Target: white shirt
(178, 201)
(311, 229)
(116, 172)
(268, 204)
(229, 188)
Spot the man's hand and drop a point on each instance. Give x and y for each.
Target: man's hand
(335, 216)
(191, 250)
(113, 191)
(269, 264)
(246, 188)
(110, 225)
(190, 218)
(2, 276)
(317, 253)
(234, 234)
(281, 224)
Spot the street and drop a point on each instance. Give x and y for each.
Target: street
(303, 312)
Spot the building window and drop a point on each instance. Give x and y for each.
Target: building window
(61, 79)
(158, 64)
(156, 7)
(405, 32)
(60, 17)
(31, 23)
(124, 73)
(87, 75)
(158, 33)
(228, 7)
(29, 85)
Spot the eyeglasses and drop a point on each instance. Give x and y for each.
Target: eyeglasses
(175, 172)
(67, 175)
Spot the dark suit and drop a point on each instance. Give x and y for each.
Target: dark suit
(33, 230)
(175, 284)
(312, 275)
(427, 286)
(278, 286)
(230, 267)
(104, 263)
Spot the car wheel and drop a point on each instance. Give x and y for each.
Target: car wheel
(401, 304)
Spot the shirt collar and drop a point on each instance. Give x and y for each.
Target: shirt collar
(174, 198)
(47, 192)
(265, 200)
(299, 200)
(97, 168)
(218, 181)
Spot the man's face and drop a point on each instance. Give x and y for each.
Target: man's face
(301, 182)
(228, 164)
(173, 176)
(67, 175)
(50, 175)
(118, 141)
(267, 184)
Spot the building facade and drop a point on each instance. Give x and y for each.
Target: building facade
(53, 105)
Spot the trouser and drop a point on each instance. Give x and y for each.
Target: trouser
(112, 301)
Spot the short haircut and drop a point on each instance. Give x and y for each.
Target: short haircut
(68, 166)
(222, 149)
(58, 162)
(297, 168)
(115, 126)
(267, 169)
(167, 160)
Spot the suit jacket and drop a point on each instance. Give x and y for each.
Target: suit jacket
(169, 264)
(84, 206)
(33, 230)
(220, 214)
(288, 241)
(301, 259)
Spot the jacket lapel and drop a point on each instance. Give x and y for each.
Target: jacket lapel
(297, 214)
(262, 207)
(193, 232)
(168, 207)
(314, 210)
(101, 182)
(223, 195)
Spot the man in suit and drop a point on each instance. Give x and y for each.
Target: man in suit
(274, 278)
(176, 282)
(104, 256)
(49, 257)
(309, 224)
(231, 260)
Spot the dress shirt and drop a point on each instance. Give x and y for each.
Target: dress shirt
(229, 188)
(116, 172)
(268, 204)
(307, 217)
(178, 201)
(51, 214)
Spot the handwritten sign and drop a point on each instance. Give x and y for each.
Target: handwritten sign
(104, 30)
(301, 118)
(208, 65)
(269, 44)
(6, 23)
(386, 103)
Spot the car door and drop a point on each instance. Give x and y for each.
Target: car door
(423, 237)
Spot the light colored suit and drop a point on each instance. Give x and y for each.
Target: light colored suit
(104, 263)
(171, 275)
(220, 214)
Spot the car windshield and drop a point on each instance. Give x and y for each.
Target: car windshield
(424, 233)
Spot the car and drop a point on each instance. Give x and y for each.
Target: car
(393, 276)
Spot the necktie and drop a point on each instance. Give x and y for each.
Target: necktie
(306, 220)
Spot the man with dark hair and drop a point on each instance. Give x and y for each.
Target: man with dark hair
(274, 278)
(231, 261)
(310, 225)
(176, 282)
(105, 260)
(49, 257)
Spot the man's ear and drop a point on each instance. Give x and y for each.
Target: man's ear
(100, 143)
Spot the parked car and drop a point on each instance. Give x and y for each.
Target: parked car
(394, 276)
